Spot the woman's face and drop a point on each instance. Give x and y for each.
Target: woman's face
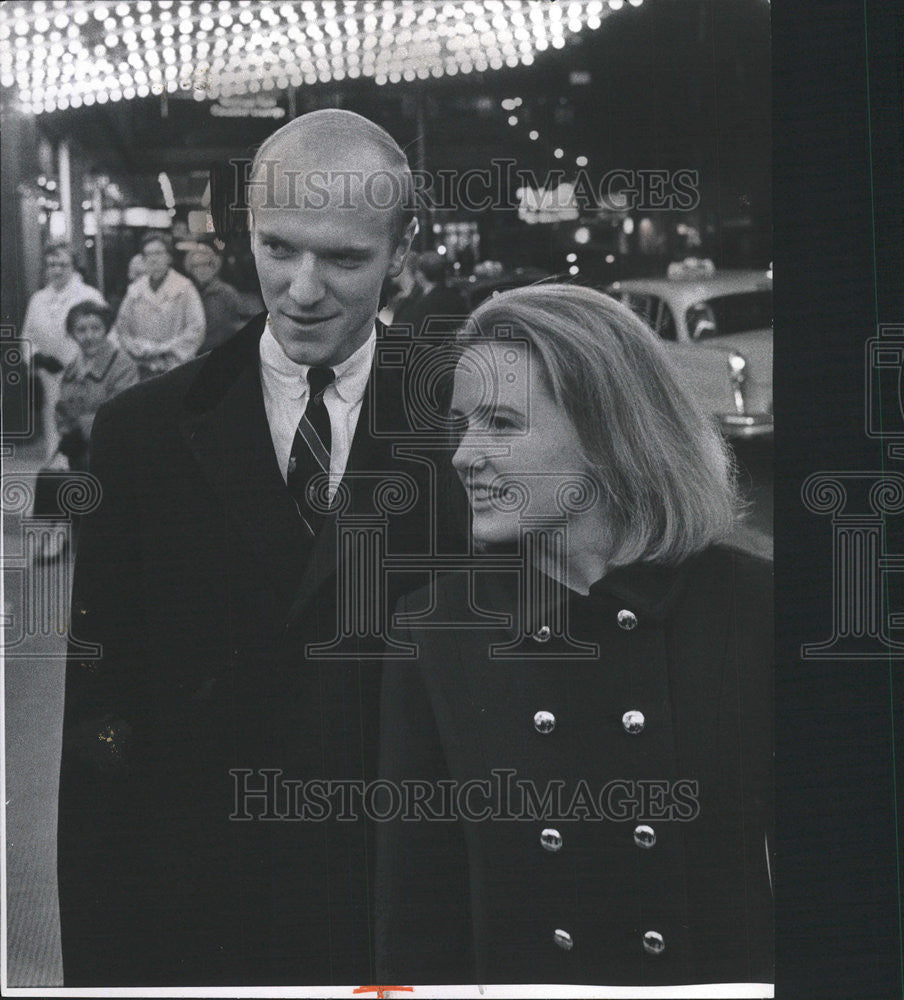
(59, 269)
(157, 260)
(89, 332)
(520, 450)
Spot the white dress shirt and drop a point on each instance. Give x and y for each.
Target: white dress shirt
(285, 386)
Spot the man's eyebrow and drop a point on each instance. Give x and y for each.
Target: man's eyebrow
(350, 249)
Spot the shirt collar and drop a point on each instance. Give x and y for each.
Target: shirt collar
(164, 289)
(99, 365)
(351, 374)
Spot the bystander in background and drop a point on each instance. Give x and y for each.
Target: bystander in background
(431, 306)
(44, 327)
(161, 320)
(99, 371)
(226, 310)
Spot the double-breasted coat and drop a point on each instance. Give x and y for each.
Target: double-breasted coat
(196, 597)
(654, 866)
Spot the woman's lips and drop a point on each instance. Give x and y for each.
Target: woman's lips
(481, 494)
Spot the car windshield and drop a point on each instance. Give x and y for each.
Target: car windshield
(728, 314)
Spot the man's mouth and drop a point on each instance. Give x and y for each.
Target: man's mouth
(307, 320)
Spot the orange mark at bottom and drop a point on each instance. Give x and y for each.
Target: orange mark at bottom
(379, 990)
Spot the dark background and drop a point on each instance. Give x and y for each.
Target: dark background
(839, 271)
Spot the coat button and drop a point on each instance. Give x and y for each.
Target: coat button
(543, 633)
(544, 722)
(551, 839)
(653, 943)
(633, 721)
(563, 939)
(626, 619)
(644, 836)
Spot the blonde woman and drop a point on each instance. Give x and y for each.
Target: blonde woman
(591, 725)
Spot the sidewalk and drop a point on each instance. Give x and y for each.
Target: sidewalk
(33, 709)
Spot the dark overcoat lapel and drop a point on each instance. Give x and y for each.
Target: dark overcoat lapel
(224, 425)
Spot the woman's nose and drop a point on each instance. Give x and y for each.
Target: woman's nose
(468, 455)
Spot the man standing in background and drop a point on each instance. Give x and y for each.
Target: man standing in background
(432, 307)
(226, 310)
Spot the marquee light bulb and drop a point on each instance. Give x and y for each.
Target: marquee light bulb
(267, 44)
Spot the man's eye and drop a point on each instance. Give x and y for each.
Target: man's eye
(276, 249)
(346, 260)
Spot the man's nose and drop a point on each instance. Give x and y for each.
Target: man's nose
(307, 286)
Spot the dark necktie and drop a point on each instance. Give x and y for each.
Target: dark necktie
(310, 454)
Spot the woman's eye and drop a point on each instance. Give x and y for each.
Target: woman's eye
(502, 423)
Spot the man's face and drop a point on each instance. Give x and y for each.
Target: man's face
(203, 266)
(321, 267)
(59, 269)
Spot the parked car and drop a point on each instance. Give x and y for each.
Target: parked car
(718, 326)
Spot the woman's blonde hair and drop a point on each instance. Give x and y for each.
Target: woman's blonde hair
(665, 471)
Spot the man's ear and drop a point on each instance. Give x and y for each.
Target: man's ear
(397, 261)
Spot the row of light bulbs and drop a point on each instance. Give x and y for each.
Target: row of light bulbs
(58, 55)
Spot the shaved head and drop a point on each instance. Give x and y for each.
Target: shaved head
(337, 158)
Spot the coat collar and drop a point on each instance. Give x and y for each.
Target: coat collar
(652, 590)
(648, 590)
(172, 283)
(99, 365)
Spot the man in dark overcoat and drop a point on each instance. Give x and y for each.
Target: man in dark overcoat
(225, 633)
